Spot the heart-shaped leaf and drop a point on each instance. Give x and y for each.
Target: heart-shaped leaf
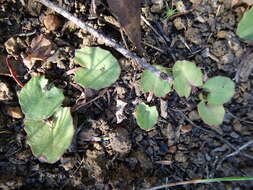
(211, 114)
(151, 83)
(244, 29)
(100, 68)
(186, 74)
(146, 116)
(49, 139)
(221, 90)
(38, 100)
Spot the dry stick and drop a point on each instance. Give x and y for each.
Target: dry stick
(84, 103)
(107, 41)
(240, 149)
(217, 136)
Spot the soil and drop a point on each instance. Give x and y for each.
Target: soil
(107, 154)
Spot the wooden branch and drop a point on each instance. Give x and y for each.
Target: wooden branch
(109, 42)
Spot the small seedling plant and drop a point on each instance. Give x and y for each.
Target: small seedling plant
(244, 29)
(170, 11)
(216, 91)
(49, 125)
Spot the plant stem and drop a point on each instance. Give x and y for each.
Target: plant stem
(201, 181)
(13, 72)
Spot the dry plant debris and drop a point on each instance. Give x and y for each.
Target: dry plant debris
(41, 49)
(128, 13)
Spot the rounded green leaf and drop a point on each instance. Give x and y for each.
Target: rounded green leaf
(221, 90)
(100, 68)
(50, 139)
(151, 83)
(182, 87)
(38, 100)
(244, 28)
(146, 116)
(186, 74)
(211, 114)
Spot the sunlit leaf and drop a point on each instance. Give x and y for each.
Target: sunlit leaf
(244, 29)
(49, 139)
(146, 116)
(99, 68)
(151, 83)
(211, 114)
(186, 74)
(221, 89)
(38, 100)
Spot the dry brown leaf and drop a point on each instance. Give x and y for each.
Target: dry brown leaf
(41, 49)
(128, 13)
(17, 65)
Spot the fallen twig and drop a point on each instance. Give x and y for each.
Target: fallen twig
(84, 103)
(215, 134)
(240, 149)
(107, 41)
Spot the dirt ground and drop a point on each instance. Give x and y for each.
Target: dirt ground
(123, 156)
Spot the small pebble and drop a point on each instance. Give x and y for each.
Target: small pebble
(5, 92)
(11, 45)
(52, 22)
(14, 112)
(172, 149)
(234, 135)
(180, 6)
(156, 8)
(180, 157)
(186, 129)
(237, 125)
(179, 24)
(222, 34)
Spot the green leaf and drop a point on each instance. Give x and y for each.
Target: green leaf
(211, 114)
(50, 139)
(99, 68)
(146, 116)
(186, 74)
(244, 29)
(221, 90)
(151, 83)
(38, 100)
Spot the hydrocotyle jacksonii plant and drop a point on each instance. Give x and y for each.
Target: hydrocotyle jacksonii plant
(49, 126)
(186, 75)
(216, 91)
